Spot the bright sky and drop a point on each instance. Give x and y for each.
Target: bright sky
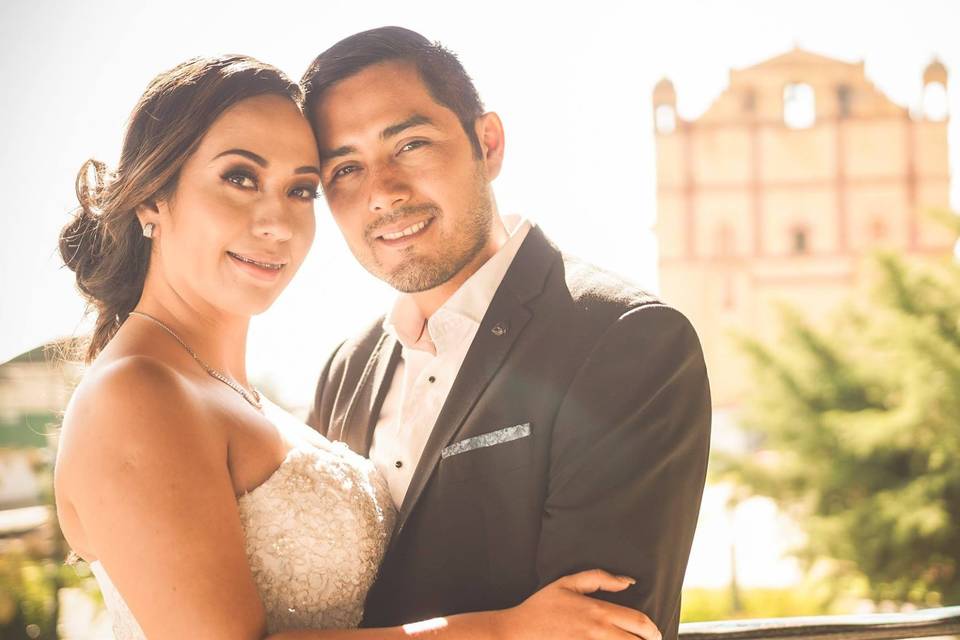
(571, 81)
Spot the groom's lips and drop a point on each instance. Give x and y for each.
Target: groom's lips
(401, 234)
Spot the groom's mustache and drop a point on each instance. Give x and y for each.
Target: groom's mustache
(397, 215)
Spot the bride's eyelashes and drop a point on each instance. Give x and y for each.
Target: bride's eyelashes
(307, 191)
(240, 178)
(244, 179)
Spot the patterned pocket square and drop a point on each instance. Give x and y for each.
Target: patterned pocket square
(487, 440)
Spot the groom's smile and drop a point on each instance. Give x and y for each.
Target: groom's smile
(407, 232)
(403, 226)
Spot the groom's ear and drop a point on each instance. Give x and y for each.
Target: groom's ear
(489, 132)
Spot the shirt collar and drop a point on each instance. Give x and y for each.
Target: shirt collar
(463, 311)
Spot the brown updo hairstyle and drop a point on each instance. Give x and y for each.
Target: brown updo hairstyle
(103, 243)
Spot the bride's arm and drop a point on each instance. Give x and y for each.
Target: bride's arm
(145, 475)
(559, 611)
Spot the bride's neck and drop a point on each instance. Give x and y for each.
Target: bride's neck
(219, 339)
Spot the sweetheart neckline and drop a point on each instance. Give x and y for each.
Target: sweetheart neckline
(276, 472)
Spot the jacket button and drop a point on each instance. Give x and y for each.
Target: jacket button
(499, 329)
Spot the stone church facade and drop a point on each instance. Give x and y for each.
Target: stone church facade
(783, 187)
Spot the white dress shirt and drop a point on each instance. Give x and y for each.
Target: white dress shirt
(429, 363)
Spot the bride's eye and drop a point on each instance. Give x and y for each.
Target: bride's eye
(242, 179)
(305, 193)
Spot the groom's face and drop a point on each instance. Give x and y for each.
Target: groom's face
(402, 179)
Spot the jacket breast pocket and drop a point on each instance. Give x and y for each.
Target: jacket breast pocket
(488, 454)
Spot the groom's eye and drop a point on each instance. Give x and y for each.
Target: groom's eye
(344, 171)
(413, 144)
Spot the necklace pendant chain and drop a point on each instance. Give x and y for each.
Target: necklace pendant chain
(252, 396)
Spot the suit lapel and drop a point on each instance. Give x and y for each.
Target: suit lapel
(364, 409)
(503, 323)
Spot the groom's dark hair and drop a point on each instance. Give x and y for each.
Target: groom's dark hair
(438, 67)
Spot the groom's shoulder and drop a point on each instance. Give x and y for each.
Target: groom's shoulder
(362, 344)
(599, 291)
(602, 307)
(578, 286)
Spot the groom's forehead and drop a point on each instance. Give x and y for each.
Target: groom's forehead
(380, 100)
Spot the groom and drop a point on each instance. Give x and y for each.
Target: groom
(533, 415)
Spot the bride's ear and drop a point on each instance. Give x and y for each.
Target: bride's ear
(148, 212)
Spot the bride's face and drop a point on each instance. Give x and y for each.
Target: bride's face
(241, 219)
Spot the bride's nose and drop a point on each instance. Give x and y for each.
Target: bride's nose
(272, 219)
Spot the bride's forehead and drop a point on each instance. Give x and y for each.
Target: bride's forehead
(278, 129)
(265, 115)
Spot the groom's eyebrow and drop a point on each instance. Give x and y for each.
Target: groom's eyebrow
(260, 160)
(413, 121)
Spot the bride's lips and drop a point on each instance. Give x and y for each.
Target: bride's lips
(399, 235)
(267, 268)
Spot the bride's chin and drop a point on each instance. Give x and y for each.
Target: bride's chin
(245, 303)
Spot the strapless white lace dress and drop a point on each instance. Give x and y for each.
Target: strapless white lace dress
(316, 532)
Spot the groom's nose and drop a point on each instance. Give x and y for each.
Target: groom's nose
(388, 188)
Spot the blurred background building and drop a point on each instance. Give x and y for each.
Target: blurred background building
(778, 194)
(782, 187)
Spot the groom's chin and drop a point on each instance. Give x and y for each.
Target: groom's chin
(416, 276)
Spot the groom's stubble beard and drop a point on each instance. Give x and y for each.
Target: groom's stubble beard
(422, 272)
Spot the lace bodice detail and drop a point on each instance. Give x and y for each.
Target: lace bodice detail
(316, 532)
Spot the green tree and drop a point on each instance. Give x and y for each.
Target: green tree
(857, 428)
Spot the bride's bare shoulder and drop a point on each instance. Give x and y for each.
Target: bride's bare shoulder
(131, 389)
(132, 408)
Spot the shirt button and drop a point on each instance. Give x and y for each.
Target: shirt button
(398, 464)
(431, 379)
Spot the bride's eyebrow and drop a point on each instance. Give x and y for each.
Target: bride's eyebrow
(260, 160)
(249, 155)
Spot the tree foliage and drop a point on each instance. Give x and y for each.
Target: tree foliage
(858, 432)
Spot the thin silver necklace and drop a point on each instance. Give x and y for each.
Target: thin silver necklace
(252, 396)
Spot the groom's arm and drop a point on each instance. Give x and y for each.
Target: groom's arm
(325, 395)
(628, 462)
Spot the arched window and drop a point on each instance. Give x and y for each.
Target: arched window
(799, 107)
(935, 101)
(800, 241)
(844, 100)
(666, 119)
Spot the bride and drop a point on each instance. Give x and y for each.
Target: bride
(204, 510)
